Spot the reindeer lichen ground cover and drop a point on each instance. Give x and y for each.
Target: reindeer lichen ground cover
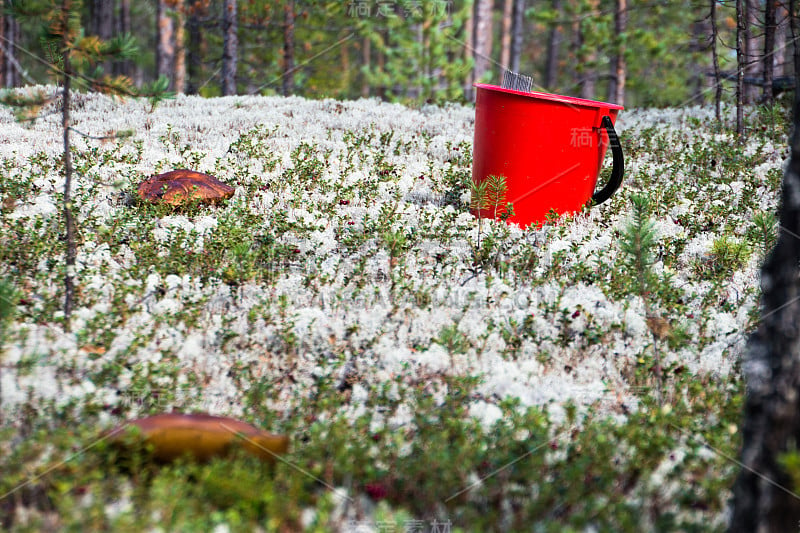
(430, 372)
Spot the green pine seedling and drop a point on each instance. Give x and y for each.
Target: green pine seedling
(73, 59)
(490, 194)
(638, 242)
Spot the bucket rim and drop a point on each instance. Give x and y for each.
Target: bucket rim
(570, 100)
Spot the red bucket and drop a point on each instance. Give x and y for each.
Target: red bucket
(549, 148)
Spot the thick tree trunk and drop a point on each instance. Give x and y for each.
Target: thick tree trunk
(483, 38)
(588, 80)
(505, 37)
(517, 34)
(3, 45)
(165, 46)
(288, 49)
(764, 500)
(102, 18)
(122, 26)
(11, 73)
(781, 30)
(382, 62)
(469, 51)
(699, 82)
(230, 47)
(616, 81)
(179, 65)
(575, 62)
(553, 47)
(193, 55)
(366, 52)
(770, 26)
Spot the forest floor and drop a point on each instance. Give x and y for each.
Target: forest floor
(431, 370)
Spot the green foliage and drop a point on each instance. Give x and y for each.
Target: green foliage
(602, 474)
(790, 461)
(421, 46)
(86, 53)
(453, 340)
(727, 255)
(490, 194)
(764, 231)
(156, 91)
(637, 242)
(8, 303)
(26, 104)
(395, 242)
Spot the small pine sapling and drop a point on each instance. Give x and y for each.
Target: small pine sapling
(478, 201)
(638, 240)
(766, 226)
(637, 243)
(72, 58)
(496, 189)
(490, 194)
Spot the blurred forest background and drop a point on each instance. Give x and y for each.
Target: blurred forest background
(643, 53)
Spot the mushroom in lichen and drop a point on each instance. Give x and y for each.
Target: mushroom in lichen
(199, 436)
(184, 186)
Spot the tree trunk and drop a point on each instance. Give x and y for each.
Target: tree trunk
(230, 47)
(288, 49)
(763, 498)
(505, 51)
(193, 55)
(752, 66)
(165, 46)
(366, 61)
(517, 34)
(102, 18)
(483, 38)
(782, 28)
(122, 27)
(700, 42)
(553, 47)
(616, 82)
(740, 64)
(469, 51)
(3, 44)
(382, 62)
(69, 271)
(715, 59)
(589, 81)
(179, 65)
(793, 26)
(770, 25)
(589, 73)
(101, 24)
(366, 52)
(11, 72)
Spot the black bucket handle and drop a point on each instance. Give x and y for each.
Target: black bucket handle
(617, 170)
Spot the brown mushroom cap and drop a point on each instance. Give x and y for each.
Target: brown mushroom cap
(201, 436)
(183, 186)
